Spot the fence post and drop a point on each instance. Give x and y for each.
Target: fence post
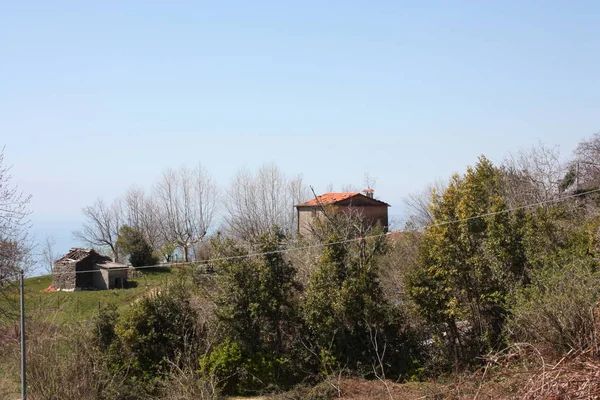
(23, 353)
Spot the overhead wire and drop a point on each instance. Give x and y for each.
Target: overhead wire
(326, 244)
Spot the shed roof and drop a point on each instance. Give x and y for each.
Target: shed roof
(78, 254)
(112, 265)
(335, 197)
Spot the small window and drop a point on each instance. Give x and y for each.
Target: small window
(313, 212)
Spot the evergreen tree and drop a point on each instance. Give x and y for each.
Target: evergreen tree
(472, 256)
(256, 307)
(347, 316)
(131, 241)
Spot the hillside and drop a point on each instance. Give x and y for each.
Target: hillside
(62, 309)
(73, 306)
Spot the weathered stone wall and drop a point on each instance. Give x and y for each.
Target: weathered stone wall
(63, 276)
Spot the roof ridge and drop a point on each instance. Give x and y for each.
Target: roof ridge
(332, 198)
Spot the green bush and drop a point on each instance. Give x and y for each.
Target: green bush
(223, 363)
(131, 241)
(158, 332)
(557, 309)
(239, 372)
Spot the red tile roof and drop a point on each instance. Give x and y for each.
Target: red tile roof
(328, 198)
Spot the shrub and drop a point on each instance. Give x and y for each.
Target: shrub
(557, 309)
(64, 364)
(238, 371)
(131, 241)
(158, 332)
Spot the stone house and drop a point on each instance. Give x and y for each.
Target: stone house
(69, 275)
(364, 205)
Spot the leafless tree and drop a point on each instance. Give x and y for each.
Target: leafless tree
(350, 188)
(142, 213)
(369, 181)
(47, 255)
(15, 245)
(533, 175)
(257, 202)
(134, 204)
(101, 226)
(418, 205)
(585, 168)
(187, 200)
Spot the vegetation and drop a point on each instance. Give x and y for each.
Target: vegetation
(131, 241)
(500, 279)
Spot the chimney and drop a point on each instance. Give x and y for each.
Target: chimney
(369, 193)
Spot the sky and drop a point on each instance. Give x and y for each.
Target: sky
(98, 96)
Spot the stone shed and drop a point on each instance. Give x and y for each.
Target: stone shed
(69, 272)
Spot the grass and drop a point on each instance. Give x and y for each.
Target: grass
(65, 307)
(59, 309)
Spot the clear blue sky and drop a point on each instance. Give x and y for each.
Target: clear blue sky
(95, 97)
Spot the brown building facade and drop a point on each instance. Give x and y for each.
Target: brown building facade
(372, 211)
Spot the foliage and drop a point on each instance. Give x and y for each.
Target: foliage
(469, 267)
(131, 241)
(349, 322)
(404, 306)
(158, 332)
(240, 371)
(558, 309)
(167, 250)
(255, 305)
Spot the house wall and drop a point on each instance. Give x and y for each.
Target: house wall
(106, 278)
(307, 217)
(113, 275)
(100, 278)
(371, 214)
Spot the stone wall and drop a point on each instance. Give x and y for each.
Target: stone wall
(63, 276)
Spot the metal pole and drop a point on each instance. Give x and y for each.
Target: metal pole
(23, 361)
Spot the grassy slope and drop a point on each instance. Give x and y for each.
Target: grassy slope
(58, 308)
(74, 306)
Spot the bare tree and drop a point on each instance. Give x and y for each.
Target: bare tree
(187, 201)
(369, 181)
(585, 168)
(134, 204)
(258, 202)
(47, 255)
(101, 227)
(142, 213)
(418, 205)
(533, 175)
(15, 246)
